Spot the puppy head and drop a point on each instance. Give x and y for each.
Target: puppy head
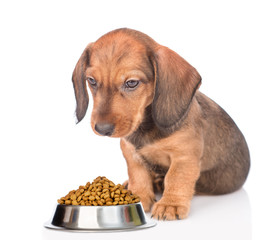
(126, 71)
(120, 76)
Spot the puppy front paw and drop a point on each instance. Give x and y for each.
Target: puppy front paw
(166, 211)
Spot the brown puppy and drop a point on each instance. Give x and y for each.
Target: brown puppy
(147, 95)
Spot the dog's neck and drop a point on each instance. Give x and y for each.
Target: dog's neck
(147, 132)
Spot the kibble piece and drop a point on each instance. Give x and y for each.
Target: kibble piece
(124, 191)
(73, 197)
(86, 194)
(78, 193)
(127, 198)
(106, 196)
(91, 198)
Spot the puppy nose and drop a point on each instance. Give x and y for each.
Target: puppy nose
(105, 129)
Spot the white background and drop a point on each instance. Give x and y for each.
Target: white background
(44, 154)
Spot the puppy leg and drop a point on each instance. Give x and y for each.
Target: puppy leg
(140, 179)
(179, 189)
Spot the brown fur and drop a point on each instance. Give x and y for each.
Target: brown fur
(173, 137)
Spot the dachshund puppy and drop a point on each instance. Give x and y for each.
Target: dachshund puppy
(172, 135)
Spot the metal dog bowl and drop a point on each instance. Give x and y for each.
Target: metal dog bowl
(99, 218)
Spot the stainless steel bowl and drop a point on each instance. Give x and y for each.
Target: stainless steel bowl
(100, 218)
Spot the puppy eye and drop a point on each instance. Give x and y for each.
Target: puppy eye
(132, 83)
(92, 81)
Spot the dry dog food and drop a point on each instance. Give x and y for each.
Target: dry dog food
(101, 192)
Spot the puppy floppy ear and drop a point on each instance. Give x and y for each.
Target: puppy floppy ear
(176, 83)
(79, 83)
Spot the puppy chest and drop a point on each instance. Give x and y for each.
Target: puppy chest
(156, 161)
